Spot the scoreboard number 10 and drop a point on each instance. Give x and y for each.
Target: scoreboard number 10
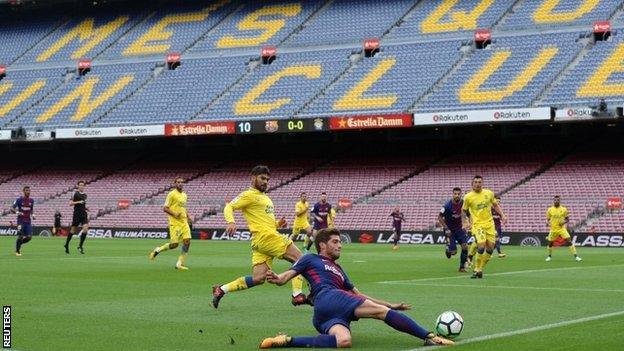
(244, 127)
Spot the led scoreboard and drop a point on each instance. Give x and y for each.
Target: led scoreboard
(282, 126)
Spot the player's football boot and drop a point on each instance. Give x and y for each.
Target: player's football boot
(217, 295)
(395, 247)
(181, 267)
(578, 259)
(548, 259)
(80, 250)
(18, 254)
(299, 300)
(476, 275)
(280, 340)
(437, 340)
(462, 270)
(66, 249)
(447, 253)
(502, 255)
(152, 255)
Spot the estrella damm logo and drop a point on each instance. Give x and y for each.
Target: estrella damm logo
(269, 209)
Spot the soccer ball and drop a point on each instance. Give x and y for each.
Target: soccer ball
(449, 324)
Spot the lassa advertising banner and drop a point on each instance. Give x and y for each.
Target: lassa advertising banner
(482, 116)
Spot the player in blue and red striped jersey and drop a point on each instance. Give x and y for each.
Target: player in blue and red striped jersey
(499, 229)
(319, 213)
(23, 207)
(450, 218)
(397, 219)
(337, 302)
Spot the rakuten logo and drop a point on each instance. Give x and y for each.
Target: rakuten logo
(512, 115)
(132, 131)
(578, 112)
(450, 118)
(84, 132)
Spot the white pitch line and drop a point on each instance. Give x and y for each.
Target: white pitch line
(65, 258)
(530, 330)
(514, 287)
(408, 281)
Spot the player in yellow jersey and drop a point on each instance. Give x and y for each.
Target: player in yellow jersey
(302, 210)
(179, 228)
(477, 217)
(331, 217)
(266, 242)
(558, 220)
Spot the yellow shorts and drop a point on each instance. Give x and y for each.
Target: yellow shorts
(553, 235)
(300, 227)
(267, 246)
(179, 232)
(484, 234)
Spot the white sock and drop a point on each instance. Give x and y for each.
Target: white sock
(224, 288)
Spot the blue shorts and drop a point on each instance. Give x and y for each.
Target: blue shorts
(25, 229)
(457, 237)
(333, 307)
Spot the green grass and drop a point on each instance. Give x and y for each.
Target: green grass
(113, 298)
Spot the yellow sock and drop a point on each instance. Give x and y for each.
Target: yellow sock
(236, 285)
(472, 250)
(479, 265)
(572, 249)
(485, 258)
(181, 260)
(549, 250)
(165, 247)
(297, 285)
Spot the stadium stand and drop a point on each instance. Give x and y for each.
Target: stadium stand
(177, 95)
(484, 79)
(83, 99)
(390, 81)
(349, 21)
(529, 14)
(439, 18)
(595, 77)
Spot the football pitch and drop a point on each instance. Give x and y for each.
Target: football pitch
(113, 298)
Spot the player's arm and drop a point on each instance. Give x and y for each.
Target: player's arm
(394, 306)
(282, 278)
(32, 211)
(499, 210)
(441, 219)
(300, 212)
(548, 218)
(315, 212)
(239, 203)
(167, 209)
(466, 220)
(15, 208)
(75, 201)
